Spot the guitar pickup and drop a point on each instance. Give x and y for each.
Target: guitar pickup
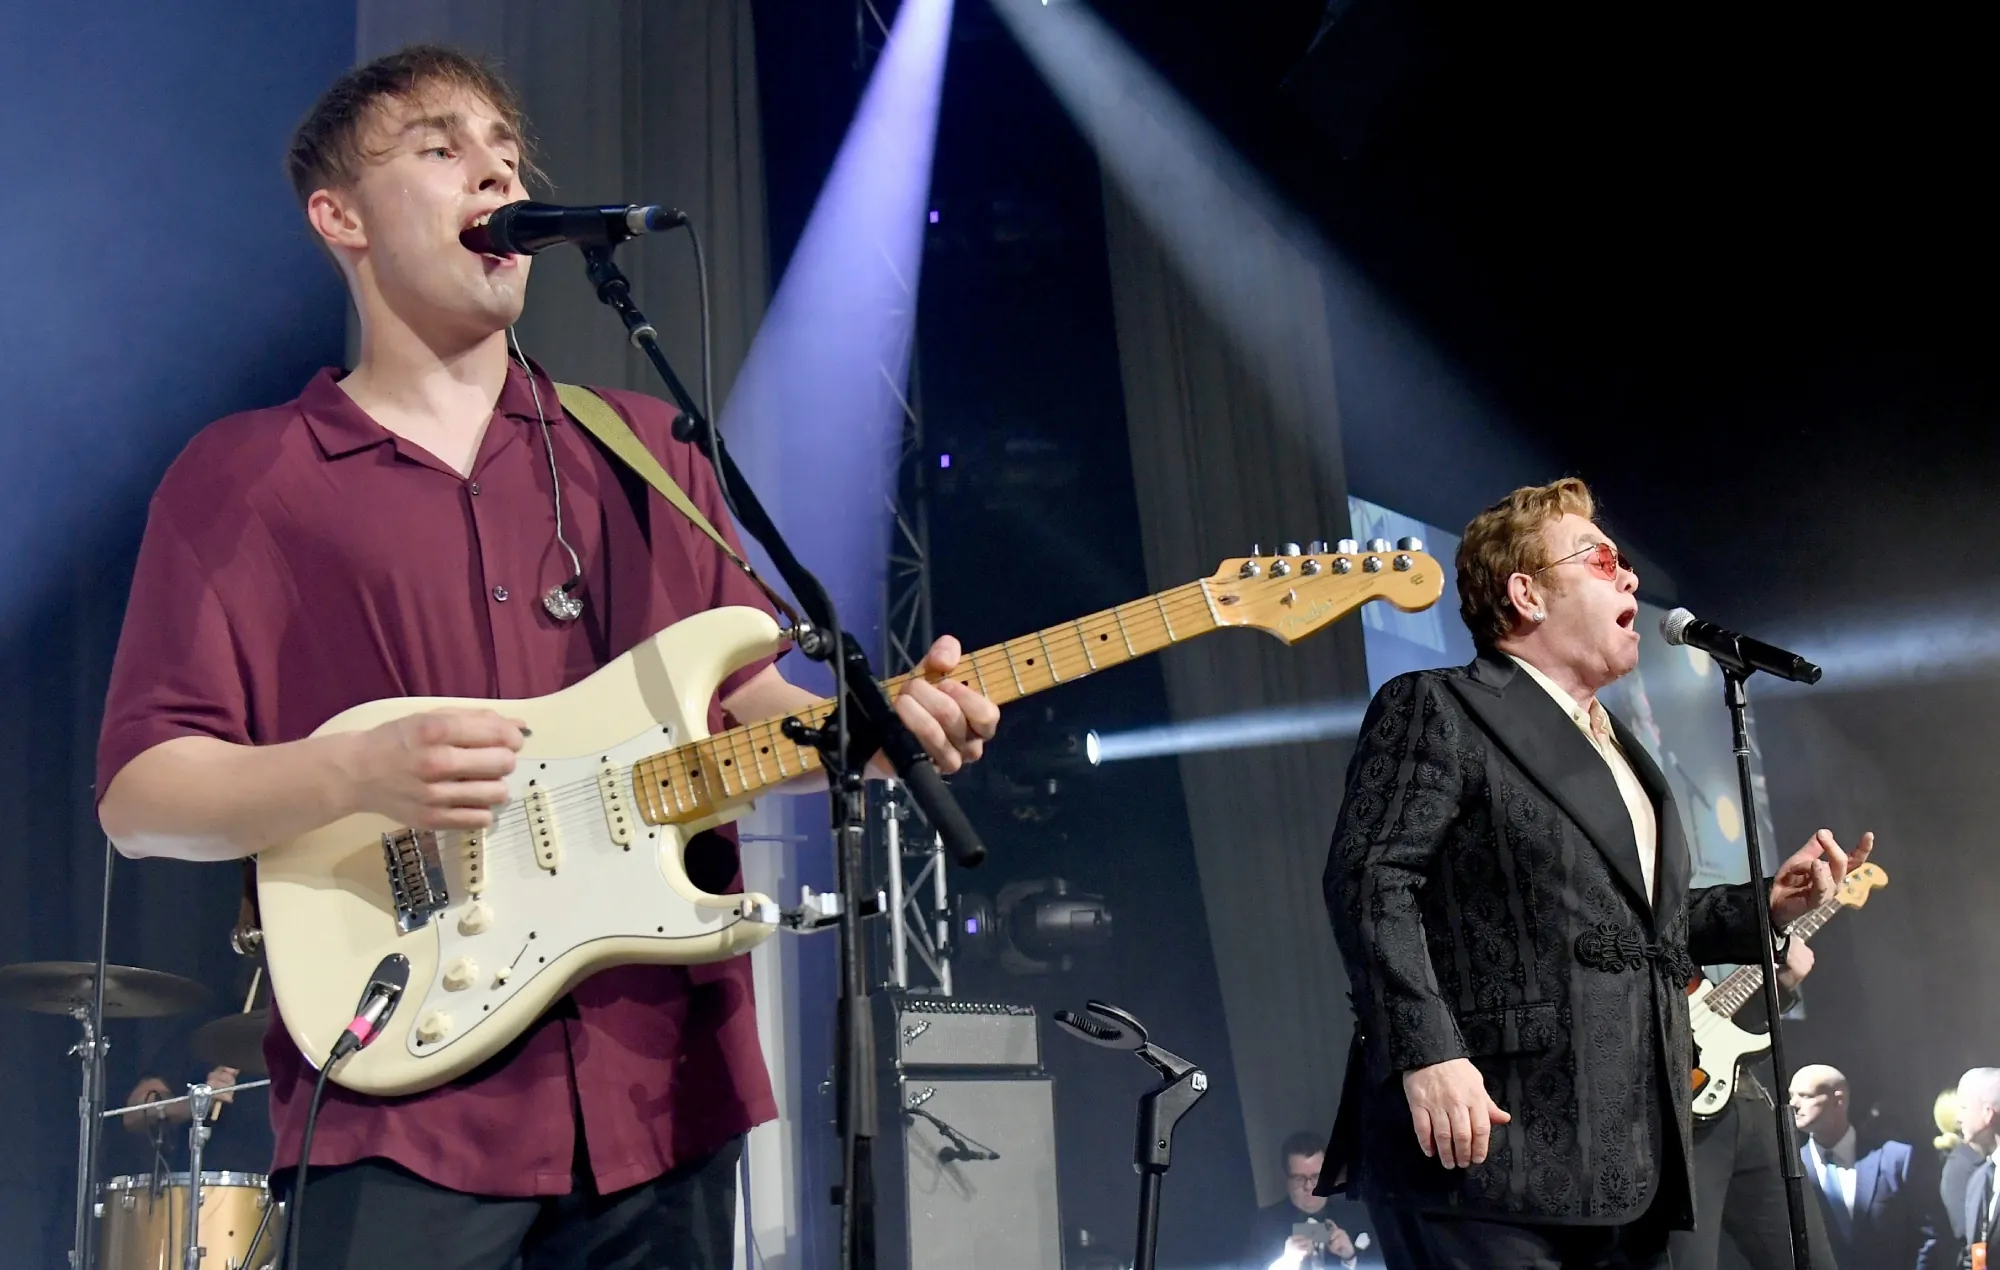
(542, 829)
(475, 863)
(616, 814)
(416, 877)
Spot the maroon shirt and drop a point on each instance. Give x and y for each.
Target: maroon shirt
(303, 559)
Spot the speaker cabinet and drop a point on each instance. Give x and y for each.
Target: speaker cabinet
(977, 1165)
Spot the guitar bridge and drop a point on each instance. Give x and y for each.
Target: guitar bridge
(416, 877)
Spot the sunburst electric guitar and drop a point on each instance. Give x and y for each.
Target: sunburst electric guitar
(1720, 1047)
(582, 868)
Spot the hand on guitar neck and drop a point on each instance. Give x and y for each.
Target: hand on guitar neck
(1721, 1046)
(1798, 964)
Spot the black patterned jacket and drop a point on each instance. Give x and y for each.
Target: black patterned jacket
(1485, 890)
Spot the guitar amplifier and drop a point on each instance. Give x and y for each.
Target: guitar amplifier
(969, 1181)
(943, 1032)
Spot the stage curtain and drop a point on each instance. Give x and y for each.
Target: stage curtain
(1222, 458)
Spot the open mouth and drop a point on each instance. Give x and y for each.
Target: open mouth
(1627, 618)
(467, 239)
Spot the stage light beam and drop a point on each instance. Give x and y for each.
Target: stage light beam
(1288, 725)
(815, 416)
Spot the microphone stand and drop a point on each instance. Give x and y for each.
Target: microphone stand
(1789, 1166)
(863, 721)
(90, 1053)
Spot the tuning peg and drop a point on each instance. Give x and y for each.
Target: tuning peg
(1409, 544)
(1256, 550)
(1317, 547)
(1378, 545)
(1347, 547)
(1289, 549)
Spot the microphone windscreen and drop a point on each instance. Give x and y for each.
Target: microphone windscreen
(1674, 625)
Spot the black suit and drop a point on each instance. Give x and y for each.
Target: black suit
(1955, 1172)
(1486, 892)
(1975, 1214)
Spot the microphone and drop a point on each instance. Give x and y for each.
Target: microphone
(378, 1002)
(522, 229)
(1738, 652)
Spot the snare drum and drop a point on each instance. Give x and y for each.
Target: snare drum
(144, 1226)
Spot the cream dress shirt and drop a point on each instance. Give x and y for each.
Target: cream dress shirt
(1595, 725)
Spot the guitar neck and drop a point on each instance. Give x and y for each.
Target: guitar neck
(1745, 982)
(702, 778)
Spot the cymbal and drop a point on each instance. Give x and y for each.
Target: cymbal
(130, 992)
(234, 1040)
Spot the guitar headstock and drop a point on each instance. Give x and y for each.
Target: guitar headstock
(1859, 883)
(1293, 593)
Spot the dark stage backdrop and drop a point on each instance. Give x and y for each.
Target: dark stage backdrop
(166, 281)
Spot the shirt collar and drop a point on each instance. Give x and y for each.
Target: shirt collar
(341, 427)
(1579, 715)
(1841, 1153)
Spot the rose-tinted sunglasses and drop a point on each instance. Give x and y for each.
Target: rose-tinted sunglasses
(1602, 559)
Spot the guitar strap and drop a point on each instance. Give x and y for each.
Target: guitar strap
(598, 418)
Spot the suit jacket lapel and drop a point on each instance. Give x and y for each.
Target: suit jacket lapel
(1977, 1196)
(1556, 755)
(1867, 1170)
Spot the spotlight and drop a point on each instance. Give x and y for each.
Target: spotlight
(1033, 927)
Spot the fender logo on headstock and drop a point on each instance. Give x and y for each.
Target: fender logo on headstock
(1307, 617)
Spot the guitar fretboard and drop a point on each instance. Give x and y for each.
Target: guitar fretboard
(702, 778)
(1736, 989)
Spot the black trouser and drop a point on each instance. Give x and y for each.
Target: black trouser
(1738, 1190)
(375, 1216)
(1422, 1241)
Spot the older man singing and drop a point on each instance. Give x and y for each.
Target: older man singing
(1508, 883)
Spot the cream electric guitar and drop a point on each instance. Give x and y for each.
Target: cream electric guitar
(1720, 1047)
(583, 869)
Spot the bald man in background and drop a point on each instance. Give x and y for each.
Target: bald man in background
(1878, 1196)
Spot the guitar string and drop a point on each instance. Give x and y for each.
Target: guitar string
(729, 745)
(1059, 663)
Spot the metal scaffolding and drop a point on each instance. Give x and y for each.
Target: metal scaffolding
(919, 900)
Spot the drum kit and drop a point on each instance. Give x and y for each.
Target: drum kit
(164, 1221)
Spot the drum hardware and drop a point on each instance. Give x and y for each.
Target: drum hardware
(200, 1097)
(234, 1040)
(78, 989)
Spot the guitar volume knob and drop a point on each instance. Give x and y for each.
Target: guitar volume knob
(433, 1027)
(460, 973)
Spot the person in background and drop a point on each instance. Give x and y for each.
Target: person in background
(1979, 1122)
(1875, 1192)
(1342, 1241)
(1738, 1179)
(1958, 1160)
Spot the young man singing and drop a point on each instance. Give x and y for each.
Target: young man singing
(391, 533)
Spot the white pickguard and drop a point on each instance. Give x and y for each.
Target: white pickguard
(496, 927)
(598, 889)
(1720, 1048)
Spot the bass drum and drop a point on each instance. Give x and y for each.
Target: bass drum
(143, 1222)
